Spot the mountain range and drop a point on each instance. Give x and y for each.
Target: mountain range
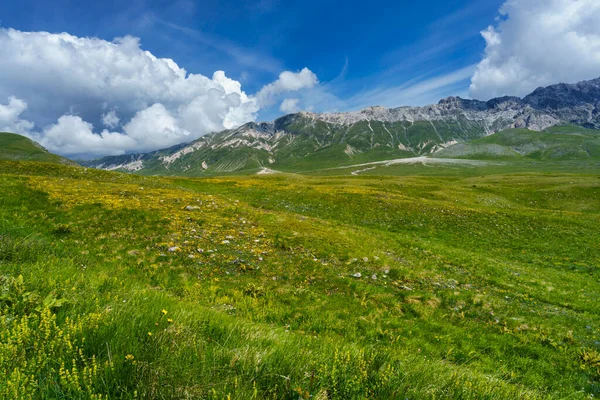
(307, 141)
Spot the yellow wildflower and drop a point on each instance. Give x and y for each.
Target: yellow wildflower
(164, 312)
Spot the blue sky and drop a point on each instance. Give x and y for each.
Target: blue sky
(356, 47)
(110, 77)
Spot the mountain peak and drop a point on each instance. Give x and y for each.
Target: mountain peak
(451, 100)
(374, 109)
(564, 95)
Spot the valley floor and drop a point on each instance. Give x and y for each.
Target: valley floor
(466, 286)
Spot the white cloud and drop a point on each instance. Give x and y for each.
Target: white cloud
(75, 80)
(289, 106)
(110, 119)
(10, 117)
(155, 128)
(287, 82)
(74, 136)
(538, 43)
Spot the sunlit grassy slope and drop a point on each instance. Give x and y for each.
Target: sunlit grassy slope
(316, 148)
(471, 287)
(556, 143)
(19, 148)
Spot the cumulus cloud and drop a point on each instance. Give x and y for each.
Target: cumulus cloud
(154, 128)
(538, 43)
(287, 82)
(71, 135)
(10, 117)
(110, 119)
(289, 106)
(66, 84)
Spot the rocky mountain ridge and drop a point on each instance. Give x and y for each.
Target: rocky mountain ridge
(305, 140)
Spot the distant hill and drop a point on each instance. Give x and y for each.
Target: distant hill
(307, 141)
(555, 143)
(19, 148)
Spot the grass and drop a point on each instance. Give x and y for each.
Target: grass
(555, 144)
(482, 285)
(334, 156)
(19, 148)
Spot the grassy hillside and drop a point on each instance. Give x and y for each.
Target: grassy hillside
(19, 148)
(289, 287)
(557, 143)
(296, 143)
(335, 156)
(315, 147)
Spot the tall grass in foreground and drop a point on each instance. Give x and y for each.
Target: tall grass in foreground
(116, 286)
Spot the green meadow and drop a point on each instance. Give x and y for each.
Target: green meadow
(478, 282)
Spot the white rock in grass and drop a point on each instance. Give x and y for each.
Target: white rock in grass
(173, 249)
(357, 275)
(374, 277)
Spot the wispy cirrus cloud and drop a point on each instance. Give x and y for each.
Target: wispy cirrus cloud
(419, 91)
(443, 39)
(411, 74)
(247, 58)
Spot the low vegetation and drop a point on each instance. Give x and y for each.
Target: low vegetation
(479, 285)
(555, 144)
(19, 148)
